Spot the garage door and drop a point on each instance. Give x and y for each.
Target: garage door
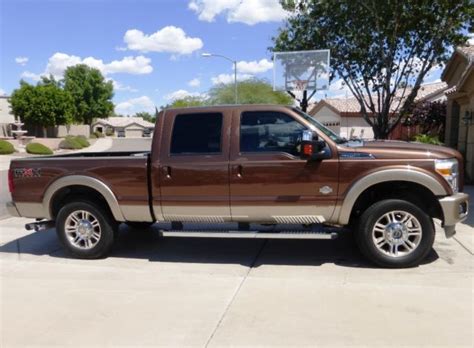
(133, 133)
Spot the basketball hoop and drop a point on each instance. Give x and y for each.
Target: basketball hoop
(301, 72)
(300, 85)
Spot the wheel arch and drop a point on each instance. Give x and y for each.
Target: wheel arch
(58, 187)
(424, 183)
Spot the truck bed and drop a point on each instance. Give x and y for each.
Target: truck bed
(124, 173)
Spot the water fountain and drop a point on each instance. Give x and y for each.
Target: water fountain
(19, 133)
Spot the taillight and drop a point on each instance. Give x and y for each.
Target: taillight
(11, 184)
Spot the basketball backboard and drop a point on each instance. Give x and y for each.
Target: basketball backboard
(301, 70)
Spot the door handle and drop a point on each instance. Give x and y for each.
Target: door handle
(240, 170)
(167, 172)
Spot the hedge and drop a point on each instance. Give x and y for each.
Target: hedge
(83, 141)
(70, 143)
(38, 149)
(6, 147)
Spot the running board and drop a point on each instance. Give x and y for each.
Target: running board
(250, 234)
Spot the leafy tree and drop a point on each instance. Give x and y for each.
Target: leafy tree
(253, 91)
(42, 105)
(188, 102)
(430, 116)
(378, 47)
(91, 93)
(146, 116)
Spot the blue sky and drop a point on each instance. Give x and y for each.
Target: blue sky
(151, 49)
(35, 33)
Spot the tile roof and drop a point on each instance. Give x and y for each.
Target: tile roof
(351, 105)
(123, 121)
(468, 51)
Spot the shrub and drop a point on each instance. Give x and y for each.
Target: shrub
(428, 139)
(92, 136)
(38, 149)
(109, 132)
(99, 134)
(6, 147)
(83, 141)
(70, 143)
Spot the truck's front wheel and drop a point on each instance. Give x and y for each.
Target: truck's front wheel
(395, 233)
(85, 230)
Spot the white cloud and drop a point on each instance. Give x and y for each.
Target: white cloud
(182, 93)
(134, 105)
(21, 60)
(31, 76)
(120, 87)
(254, 67)
(2, 92)
(229, 78)
(169, 39)
(59, 62)
(244, 11)
(194, 83)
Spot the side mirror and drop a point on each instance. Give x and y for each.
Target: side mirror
(311, 147)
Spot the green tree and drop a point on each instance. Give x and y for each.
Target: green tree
(253, 91)
(188, 102)
(91, 93)
(378, 47)
(146, 116)
(43, 105)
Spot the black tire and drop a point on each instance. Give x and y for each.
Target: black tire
(139, 226)
(404, 258)
(108, 226)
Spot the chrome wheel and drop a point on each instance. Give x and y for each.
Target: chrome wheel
(82, 229)
(397, 233)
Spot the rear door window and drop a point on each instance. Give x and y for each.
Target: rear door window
(197, 134)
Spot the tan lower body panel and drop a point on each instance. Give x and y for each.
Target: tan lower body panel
(136, 213)
(265, 214)
(32, 210)
(214, 214)
(280, 214)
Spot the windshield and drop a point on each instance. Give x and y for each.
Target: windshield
(336, 138)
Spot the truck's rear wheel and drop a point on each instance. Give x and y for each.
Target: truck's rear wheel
(395, 233)
(85, 230)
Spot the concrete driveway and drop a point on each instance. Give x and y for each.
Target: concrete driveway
(131, 144)
(218, 292)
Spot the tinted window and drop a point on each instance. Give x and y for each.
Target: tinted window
(269, 132)
(196, 133)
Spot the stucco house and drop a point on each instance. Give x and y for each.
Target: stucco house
(342, 114)
(459, 75)
(122, 126)
(6, 117)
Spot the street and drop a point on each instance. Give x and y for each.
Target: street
(215, 292)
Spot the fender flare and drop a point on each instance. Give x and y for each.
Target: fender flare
(407, 173)
(82, 180)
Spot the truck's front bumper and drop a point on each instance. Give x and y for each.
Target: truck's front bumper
(12, 210)
(455, 209)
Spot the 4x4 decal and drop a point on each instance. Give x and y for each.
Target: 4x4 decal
(27, 173)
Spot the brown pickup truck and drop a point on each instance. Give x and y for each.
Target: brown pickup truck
(249, 164)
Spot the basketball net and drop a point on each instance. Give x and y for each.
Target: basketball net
(300, 85)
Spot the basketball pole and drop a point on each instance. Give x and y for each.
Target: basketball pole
(304, 101)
